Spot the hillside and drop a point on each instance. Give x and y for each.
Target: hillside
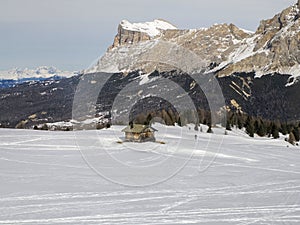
(257, 74)
(46, 181)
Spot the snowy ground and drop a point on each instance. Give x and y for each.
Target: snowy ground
(77, 177)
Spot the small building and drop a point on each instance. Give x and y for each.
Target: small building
(139, 133)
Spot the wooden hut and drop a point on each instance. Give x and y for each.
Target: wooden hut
(139, 133)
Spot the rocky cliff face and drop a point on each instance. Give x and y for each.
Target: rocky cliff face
(209, 44)
(148, 47)
(133, 33)
(224, 49)
(128, 37)
(274, 48)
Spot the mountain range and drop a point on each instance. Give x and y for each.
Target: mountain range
(257, 71)
(10, 78)
(223, 48)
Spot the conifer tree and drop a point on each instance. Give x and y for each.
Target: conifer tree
(179, 122)
(209, 130)
(240, 123)
(250, 126)
(296, 133)
(228, 126)
(166, 118)
(196, 128)
(291, 139)
(283, 129)
(262, 130)
(148, 119)
(257, 125)
(275, 131)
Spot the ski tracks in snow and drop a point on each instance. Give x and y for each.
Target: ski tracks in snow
(158, 207)
(48, 183)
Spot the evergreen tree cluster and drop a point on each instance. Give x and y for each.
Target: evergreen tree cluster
(262, 127)
(252, 125)
(167, 115)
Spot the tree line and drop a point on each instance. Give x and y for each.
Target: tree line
(263, 127)
(251, 124)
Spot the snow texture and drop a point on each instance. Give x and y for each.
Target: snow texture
(44, 180)
(151, 28)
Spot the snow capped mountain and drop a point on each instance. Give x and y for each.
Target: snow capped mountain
(195, 49)
(40, 72)
(223, 49)
(257, 71)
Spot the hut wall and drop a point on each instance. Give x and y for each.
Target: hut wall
(138, 137)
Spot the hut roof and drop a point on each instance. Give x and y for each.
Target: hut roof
(138, 128)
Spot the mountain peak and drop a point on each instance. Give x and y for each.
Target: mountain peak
(221, 48)
(150, 28)
(132, 33)
(134, 42)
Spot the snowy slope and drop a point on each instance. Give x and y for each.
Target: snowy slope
(44, 179)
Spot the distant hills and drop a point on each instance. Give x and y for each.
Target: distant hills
(10, 78)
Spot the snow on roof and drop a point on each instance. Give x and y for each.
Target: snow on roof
(151, 28)
(138, 128)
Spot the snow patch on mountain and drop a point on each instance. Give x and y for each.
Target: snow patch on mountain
(40, 72)
(151, 28)
(247, 31)
(245, 50)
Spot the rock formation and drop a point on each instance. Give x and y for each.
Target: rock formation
(128, 37)
(224, 49)
(132, 47)
(274, 47)
(132, 33)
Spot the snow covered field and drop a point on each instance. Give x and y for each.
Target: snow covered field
(77, 177)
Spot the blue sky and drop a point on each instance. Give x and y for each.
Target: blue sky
(71, 34)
